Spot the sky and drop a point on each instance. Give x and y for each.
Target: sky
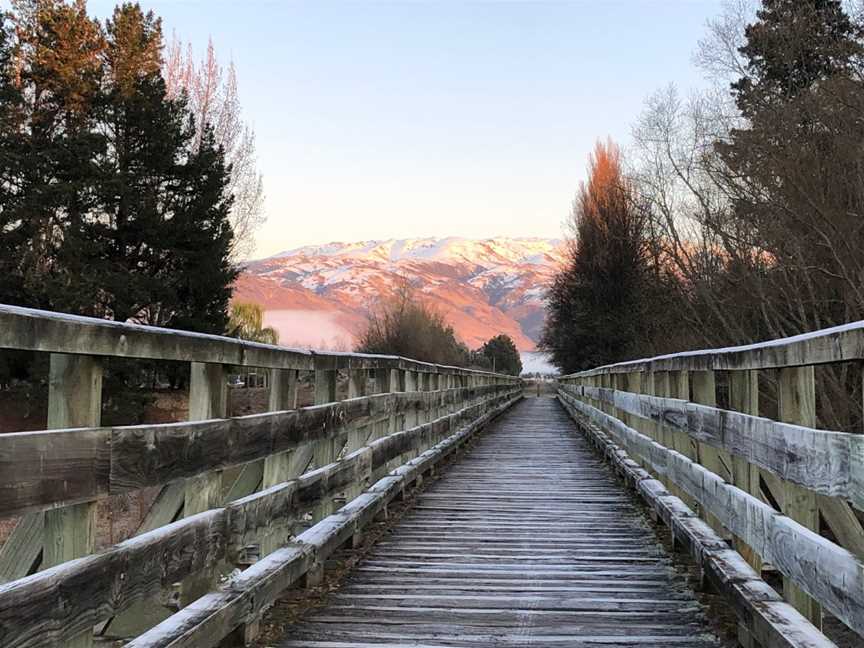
(404, 119)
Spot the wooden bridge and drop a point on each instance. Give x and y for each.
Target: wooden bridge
(532, 533)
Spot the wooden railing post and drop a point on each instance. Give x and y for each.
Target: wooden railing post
(744, 398)
(357, 387)
(717, 461)
(797, 404)
(208, 399)
(676, 384)
(74, 400)
(395, 385)
(411, 416)
(282, 466)
(325, 392)
(326, 450)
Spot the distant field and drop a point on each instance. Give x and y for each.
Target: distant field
(536, 362)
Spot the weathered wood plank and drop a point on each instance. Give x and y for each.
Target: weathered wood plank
(214, 616)
(828, 573)
(837, 344)
(830, 463)
(70, 598)
(35, 330)
(55, 605)
(764, 616)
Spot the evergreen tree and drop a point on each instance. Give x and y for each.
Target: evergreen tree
(157, 250)
(794, 167)
(502, 355)
(55, 70)
(113, 208)
(597, 306)
(13, 230)
(793, 45)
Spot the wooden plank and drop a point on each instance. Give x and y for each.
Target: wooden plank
(797, 404)
(53, 468)
(56, 606)
(837, 344)
(482, 591)
(208, 399)
(35, 330)
(763, 616)
(75, 400)
(51, 606)
(207, 621)
(744, 398)
(22, 551)
(828, 573)
(826, 462)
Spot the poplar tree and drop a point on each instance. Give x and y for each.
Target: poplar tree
(598, 305)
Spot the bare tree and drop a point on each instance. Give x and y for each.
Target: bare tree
(211, 89)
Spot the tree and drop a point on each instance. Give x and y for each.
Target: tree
(120, 207)
(55, 74)
(403, 324)
(754, 186)
(247, 323)
(598, 305)
(213, 97)
(502, 355)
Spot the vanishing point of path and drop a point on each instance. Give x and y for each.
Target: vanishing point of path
(528, 540)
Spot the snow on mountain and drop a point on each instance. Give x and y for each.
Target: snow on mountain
(318, 295)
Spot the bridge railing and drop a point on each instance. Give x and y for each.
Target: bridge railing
(257, 490)
(789, 495)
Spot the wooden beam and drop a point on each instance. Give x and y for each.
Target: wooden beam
(797, 404)
(830, 463)
(74, 400)
(52, 606)
(744, 398)
(830, 574)
(206, 622)
(208, 399)
(763, 615)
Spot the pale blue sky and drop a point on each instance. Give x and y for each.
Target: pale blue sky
(404, 119)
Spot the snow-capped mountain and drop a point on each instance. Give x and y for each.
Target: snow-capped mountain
(318, 295)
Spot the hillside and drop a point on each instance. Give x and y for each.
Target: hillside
(318, 295)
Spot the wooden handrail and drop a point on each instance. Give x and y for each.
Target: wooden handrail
(835, 344)
(290, 456)
(28, 329)
(768, 484)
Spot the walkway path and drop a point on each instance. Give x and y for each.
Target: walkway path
(526, 541)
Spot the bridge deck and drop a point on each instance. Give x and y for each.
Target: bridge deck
(527, 540)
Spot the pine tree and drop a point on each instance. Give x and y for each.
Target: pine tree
(794, 167)
(112, 207)
(14, 232)
(502, 355)
(793, 45)
(55, 71)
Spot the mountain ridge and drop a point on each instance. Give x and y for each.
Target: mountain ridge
(318, 295)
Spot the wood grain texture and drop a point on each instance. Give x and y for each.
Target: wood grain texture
(42, 470)
(828, 573)
(55, 605)
(838, 344)
(207, 621)
(763, 615)
(829, 463)
(526, 541)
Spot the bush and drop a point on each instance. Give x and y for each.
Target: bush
(405, 325)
